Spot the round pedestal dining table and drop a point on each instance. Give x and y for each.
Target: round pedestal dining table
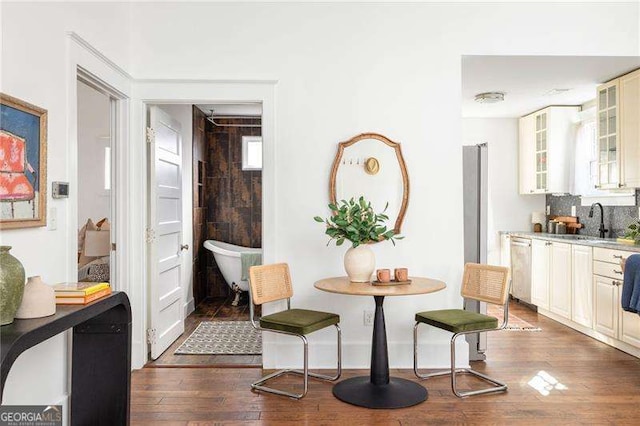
(378, 389)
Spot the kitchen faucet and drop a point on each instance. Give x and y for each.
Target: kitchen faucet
(601, 229)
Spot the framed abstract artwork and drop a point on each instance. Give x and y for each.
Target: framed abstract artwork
(23, 164)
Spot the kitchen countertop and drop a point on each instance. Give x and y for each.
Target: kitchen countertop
(583, 240)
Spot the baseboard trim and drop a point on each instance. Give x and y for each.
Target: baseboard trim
(189, 307)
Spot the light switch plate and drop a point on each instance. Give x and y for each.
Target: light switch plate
(573, 210)
(53, 219)
(548, 210)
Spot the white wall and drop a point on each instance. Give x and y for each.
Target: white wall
(342, 69)
(506, 209)
(94, 121)
(35, 68)
(184, 115)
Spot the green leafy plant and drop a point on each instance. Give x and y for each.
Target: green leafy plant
(357, 222)
(633, 232)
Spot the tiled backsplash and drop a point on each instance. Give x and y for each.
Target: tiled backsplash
(616, 219)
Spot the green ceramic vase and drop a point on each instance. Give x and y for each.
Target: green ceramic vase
(11, 285)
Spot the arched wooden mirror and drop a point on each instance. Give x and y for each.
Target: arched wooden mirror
(372, 165)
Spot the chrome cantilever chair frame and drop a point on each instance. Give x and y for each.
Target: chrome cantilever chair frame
(498, 386)
(305, 373)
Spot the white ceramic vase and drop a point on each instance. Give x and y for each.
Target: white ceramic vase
(359, 263)
(39, 300)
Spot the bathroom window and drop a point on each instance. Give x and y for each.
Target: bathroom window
(252, 153)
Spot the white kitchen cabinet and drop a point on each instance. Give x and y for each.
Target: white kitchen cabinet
(630, 130)
(582, 284)
(629, 327)
(560, 279)
(545, 141)
(606, 309)
(540, 257)
(527, 154)
(581, 287)
(610, 319)
(618, 130)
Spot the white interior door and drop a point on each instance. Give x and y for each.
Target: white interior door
(165, 231)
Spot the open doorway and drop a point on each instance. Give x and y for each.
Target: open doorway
(221, 222)
(96, 189)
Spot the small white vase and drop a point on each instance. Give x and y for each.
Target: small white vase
(359, 263)
(39, 300)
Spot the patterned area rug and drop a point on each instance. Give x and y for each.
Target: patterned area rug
(515, 323)
(222, 338)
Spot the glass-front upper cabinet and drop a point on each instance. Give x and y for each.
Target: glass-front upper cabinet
(541, 152)
(608, 135)
(545, 139)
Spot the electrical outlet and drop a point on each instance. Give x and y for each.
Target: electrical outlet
(573, 210)
(548, 210)
(368, 318)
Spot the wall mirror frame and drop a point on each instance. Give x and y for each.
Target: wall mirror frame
(337, 162)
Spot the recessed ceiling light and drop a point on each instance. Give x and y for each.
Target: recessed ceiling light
(489, 97)
(554, 92)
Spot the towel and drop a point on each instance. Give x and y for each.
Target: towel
(631, 284)
(249, 259)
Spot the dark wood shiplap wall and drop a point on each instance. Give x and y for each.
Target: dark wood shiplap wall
(200, 165)
(233, 196)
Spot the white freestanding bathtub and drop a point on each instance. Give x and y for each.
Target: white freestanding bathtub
(227, 257)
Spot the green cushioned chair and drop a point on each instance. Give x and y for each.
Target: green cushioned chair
(483, 283)
(269, 283)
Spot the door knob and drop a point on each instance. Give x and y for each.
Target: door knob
(184, 247)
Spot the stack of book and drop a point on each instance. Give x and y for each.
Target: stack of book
(80, 293)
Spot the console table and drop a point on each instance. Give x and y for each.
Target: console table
(101, 356)
(378, 389)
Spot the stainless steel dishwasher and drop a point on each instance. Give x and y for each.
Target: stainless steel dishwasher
(521, 268)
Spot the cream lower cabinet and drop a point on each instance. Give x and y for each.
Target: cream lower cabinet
(609, 318)
(630, 328)
(560, 279)
(540, 259)
(607, 300)
(582, 285)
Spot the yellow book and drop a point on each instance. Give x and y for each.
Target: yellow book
(83, 300)
(78, 289)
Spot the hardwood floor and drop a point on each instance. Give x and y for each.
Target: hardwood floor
(596, 384)
(213, 309)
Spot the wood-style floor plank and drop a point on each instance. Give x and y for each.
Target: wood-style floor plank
(587, 382)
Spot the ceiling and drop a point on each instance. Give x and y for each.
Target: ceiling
(527, 81)
(234, 109)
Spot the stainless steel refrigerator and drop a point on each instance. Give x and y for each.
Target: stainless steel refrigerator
(475, 186)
